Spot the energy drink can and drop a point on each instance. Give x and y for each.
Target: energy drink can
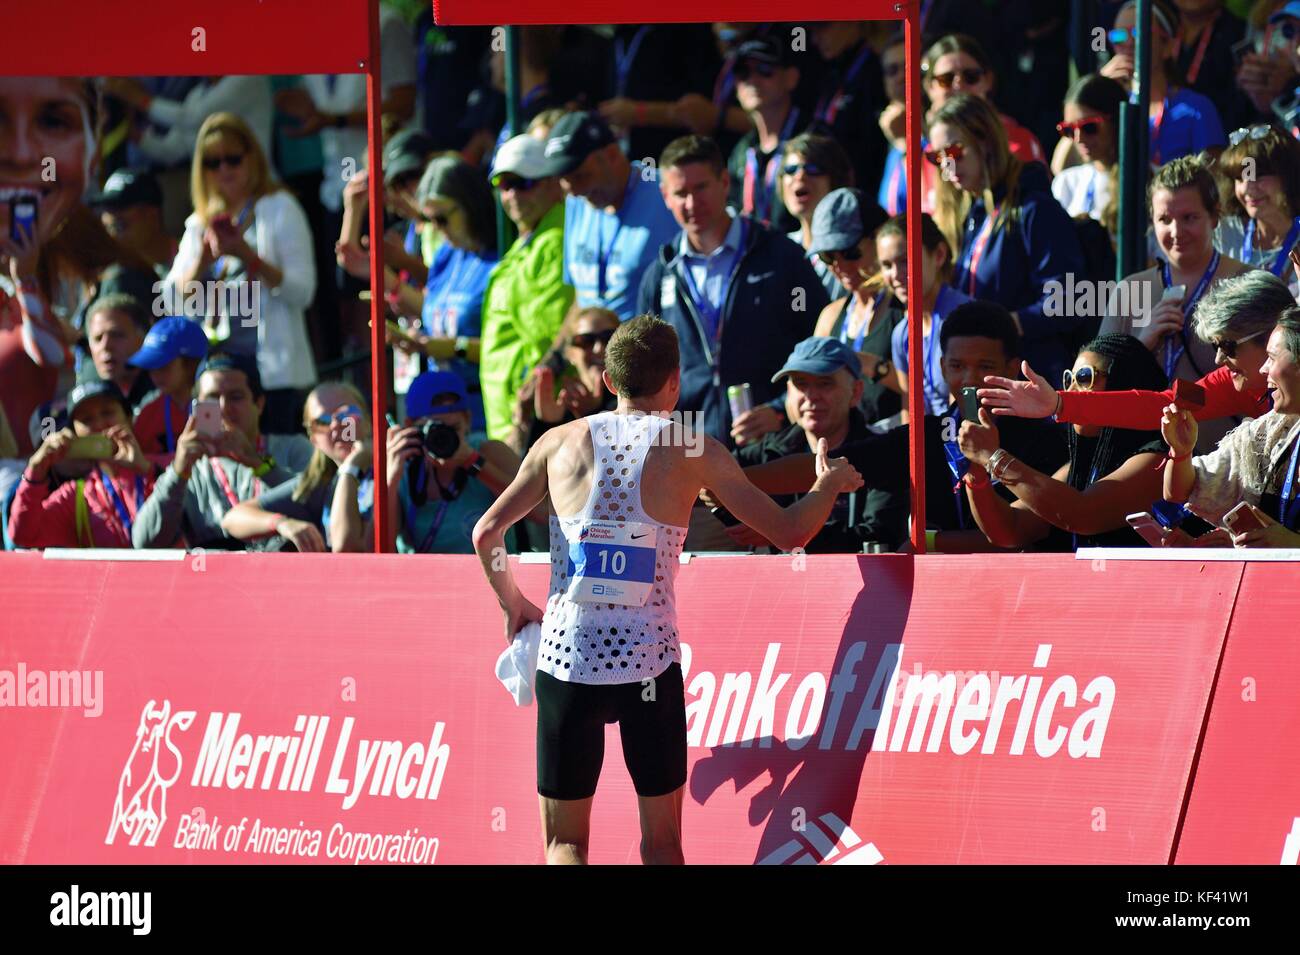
(741, 399)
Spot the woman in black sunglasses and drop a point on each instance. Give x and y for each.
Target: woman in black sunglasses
(1112, 472)
(811, 167)
(571, 386)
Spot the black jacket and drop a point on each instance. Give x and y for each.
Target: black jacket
(770, 306)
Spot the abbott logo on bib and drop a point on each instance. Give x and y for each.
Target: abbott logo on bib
(613, 563)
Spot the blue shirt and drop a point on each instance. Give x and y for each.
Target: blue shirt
(935, 388)
(453, 306)
(892, 195)
(711, 274)
(1190, 124)
(621, 246)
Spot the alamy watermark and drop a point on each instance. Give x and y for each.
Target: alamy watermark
(200, 300)
(1085, 298)
(75, 689)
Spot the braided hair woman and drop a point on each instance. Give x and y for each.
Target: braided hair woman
(1112, 472)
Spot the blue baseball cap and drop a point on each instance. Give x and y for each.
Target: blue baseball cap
(420, 397)
(1290, 10)
(842, 219)
(171, 337)
(821, 356)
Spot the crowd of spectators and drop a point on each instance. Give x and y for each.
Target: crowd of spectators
(184, 306)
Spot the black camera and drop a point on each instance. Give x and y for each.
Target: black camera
(441, 440)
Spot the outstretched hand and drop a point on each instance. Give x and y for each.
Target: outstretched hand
(836, 473)
(1032, 398)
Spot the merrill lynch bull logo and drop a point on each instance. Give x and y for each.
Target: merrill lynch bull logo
(141, 805)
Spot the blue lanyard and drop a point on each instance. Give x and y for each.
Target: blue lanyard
(1092, 479)
(713, 313)
(167, 416)
(603, 256)
(624, 54)
(761, 202)
(118, 504)
(1248, 247)
(861, 336)
(1287, 509)
(1090, 197)
(827, 108)
(958, 465)
(931, 343)
(1174, 351)
(725, 83)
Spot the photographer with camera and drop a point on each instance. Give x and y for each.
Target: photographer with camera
(441, 476)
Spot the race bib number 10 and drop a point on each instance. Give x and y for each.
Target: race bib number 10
(612, 563)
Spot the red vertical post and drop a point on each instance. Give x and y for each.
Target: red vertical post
(378, 349)
(915, 371)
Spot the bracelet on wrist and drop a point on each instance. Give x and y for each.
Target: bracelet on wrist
(1178, 457)
(275, 523)
(975, 483)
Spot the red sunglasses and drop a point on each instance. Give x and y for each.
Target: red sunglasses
(953, 151)
(1089, 127)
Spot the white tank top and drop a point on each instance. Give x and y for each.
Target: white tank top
(595, 553)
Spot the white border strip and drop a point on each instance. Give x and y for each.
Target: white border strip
(113, 554)
(1199, 554)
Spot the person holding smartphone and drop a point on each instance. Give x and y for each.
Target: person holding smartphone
(1256, 463)
(99, 509)
(573, 387)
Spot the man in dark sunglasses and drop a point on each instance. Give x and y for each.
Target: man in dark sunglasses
(765, 86)
(526, 298)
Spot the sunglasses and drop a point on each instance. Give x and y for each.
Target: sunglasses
(969, 77)
(588, 340)
(953, 150)
(504, 182)
(810, 169)
(1088, 127)
(213, 163)
(848, 255)
(744, 70)
(1085, 375)
(1229, 348)
(337, 417)
(1120, 35)
(1254, 132)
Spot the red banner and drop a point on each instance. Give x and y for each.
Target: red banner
(1245, 803)
(328, 709)
(183, 37)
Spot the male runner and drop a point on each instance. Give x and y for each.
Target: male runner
(622, 484)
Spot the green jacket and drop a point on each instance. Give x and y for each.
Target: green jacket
(523, 308)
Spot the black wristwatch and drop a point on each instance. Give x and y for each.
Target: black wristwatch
(881, 372)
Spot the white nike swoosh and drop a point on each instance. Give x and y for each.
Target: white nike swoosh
(755, 279)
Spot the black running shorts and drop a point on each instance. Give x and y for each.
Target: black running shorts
(571, 718)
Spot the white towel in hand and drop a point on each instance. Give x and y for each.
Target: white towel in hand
(517, 665)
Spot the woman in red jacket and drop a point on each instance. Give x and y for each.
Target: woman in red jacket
(1235, 316)
(99, 509)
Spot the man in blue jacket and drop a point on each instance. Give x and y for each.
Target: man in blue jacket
(739, 294)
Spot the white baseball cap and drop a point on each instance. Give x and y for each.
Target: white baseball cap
(523, 156)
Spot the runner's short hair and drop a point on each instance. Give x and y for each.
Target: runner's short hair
(688, 149)
(641, 356)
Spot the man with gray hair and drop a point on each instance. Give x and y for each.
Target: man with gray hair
(1235, 318)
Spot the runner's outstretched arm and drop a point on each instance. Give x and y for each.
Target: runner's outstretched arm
(789, 527)
(525, 492)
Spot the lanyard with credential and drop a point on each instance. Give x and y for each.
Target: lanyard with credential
(220, 474)
(1288, 510)
(1283, 253)
(760, 204)
(958, 465)
(932, 388)
(1194, 68)
(119, 505)
(1173, 350)
(861, 335)
(710, 312)
(828, 107)
(971, 261)
(603, 255)
(624, 54)
(1090, 197)
(1092, 479)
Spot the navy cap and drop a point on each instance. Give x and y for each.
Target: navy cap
(575, 137)
(171, 337)
(766, 49)
(420, 397)
(97, 389)
(129, 187)
(407, 152)
(233, 361)
(821, 356)
(842, 219)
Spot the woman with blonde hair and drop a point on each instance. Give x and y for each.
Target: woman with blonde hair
(328, 506)
(249, 234)
(1014, 241)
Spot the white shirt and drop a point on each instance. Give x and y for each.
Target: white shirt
(1071, 186)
